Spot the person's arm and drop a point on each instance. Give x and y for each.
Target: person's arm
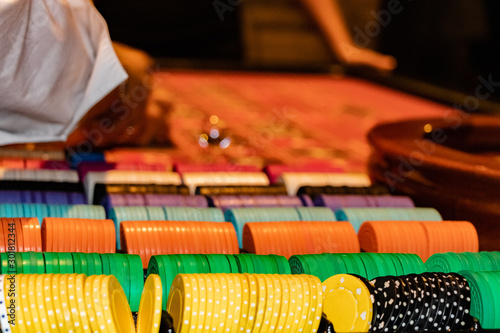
(329, 18)
(133, 114)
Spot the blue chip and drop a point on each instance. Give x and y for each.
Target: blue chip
(38, 197)
(56, 198)
(156, 213)
(77, 198)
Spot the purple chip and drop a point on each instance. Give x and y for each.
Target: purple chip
(134, 200)
(306, 200)
(394, 201)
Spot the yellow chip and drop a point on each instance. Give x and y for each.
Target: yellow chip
(56, 300)
(290, 325)
(116, 307)
(41, 302)
(25, 305)
(80, 299)
(253, 285)
(276, 302)
(285, 302)
(33, 306)
(195, 302)
(209, 283)
(303, 311)
(202, 299)
(49, 303)
(269, 304)
(217, 302)
(149, 316)
(89, 303)
(223, 297)
(346, 303)
(105, 293)
(245, 302)
(238, 302)
(315, 313)
(97, 303)
(231, 297)
(179, 303)
(73, 302)
(4, 318)
(69, 315)
(264, 291)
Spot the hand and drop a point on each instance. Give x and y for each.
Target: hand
(133, 114)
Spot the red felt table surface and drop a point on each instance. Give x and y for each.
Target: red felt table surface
(283, 118)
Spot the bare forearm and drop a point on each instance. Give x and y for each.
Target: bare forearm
(329, 18)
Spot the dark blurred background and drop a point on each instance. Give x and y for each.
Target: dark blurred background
(442, 47)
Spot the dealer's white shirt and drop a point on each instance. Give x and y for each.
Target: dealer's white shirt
(56, 62)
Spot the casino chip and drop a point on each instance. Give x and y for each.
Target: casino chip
(347, 303)
(150, 308)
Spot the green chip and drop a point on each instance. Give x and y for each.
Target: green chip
(283, 265)
(232, 263)
(136, 276)
(337, 263)
(51, 263)
(298, 265)
(66, 263)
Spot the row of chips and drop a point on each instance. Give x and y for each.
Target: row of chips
(42, 197)
(126, 268)
(149, 213)
(78, 235)
(64, 303)
(367, 265)
(420, 237)
(42, 211)
(299, 237)
(168, 266)
(172, 237)
(245, 303)
(415, 302)
(456, 262)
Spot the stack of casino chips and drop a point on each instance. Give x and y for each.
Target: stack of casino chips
(150, 213)
(337, 202)
(415, 302)
(235, 201)
(126, 268)
(240, 216)
(156, 200)
(367, 265)
(423, 238)
(147, 238)
(78, 235)
(42, 211)
(20, 235)
(63, 303)
(356, 216)
(168, 266)
(299, 237)
(485, 305)
(456, 262)
(245, 303)
(42, 197)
